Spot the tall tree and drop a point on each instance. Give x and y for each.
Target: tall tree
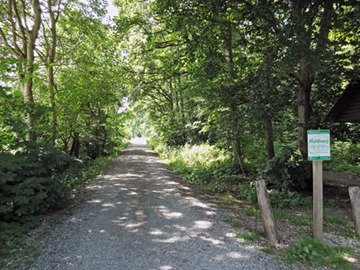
(302, 28)
(19, 31)
(48, 55)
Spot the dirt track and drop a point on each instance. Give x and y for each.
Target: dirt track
(141, 217)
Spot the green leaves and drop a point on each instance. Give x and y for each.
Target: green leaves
(286, 171)
(313, 252)
(28, 182)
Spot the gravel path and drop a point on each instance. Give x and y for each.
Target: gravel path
(141, 217)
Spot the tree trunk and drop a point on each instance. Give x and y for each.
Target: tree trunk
(75, 148)
(269, 139)
(50, 69)
(21, 41)
(53, 116)
(237, 148)
(26, 89)
(51, 87)
(233, 106)
(28, 86)
(303, 99)
(181, 100)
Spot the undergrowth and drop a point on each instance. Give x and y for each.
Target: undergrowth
(345, 157)
(315, 253)
(212, 169)
(33, 181)
(248, 236)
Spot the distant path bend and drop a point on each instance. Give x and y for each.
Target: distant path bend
(140, 217)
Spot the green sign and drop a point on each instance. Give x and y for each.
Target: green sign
(318, 144)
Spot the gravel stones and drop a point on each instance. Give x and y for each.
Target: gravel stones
(139, 218)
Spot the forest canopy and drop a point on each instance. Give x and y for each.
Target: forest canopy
(246, 75)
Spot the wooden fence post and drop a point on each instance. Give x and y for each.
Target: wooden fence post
(317, 200)
(266, 212)
(354, 193)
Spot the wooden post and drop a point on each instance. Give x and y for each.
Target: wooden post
(317, 200)
(354, 193)
(266, 212)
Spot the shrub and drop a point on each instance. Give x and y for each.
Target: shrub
(287, 199)
(248, 192)
(30, 181)
(36, 178)
(286, 172)
(345, 157)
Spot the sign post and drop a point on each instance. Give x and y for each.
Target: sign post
(318, 150)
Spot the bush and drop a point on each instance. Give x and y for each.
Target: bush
(30, 181)
(288, 199)
(248, 192)
(36, 178)
(286, 172)
(345, 157)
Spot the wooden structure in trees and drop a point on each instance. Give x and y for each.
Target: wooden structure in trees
(347, 108)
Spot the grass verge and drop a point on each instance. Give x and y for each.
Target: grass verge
(314, 253)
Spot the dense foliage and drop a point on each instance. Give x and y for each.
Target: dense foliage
(61, 105)
(193, 72)
(225, 89)
(32, 181)
(221, 73)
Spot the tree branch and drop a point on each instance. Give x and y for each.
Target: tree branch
(37, 19)
(11, 9)
(12, 49)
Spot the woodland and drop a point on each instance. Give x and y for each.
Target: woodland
(225, 90)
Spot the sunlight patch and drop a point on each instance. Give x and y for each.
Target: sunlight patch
(202, 224)
(181, 228)
(94, 201)
(156, 232)
(168, 190)
(108, 205)
(168, 214)
(236, 255)
(173, 239)
(213, 241)
(134, 225)
(139, 213)
(195, 202)
(171, 215)
(230, 234)
(171, 183)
